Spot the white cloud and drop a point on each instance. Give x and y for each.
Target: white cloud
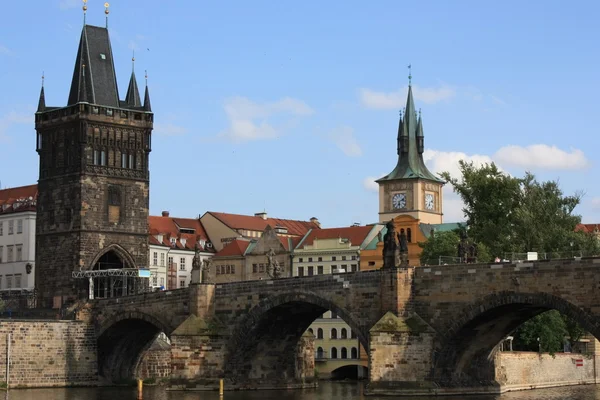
(344, 139)
(370, 184)
(441, 161)
(5, 50)
(67, 4)
(394, 100)
(249, 120)
(12, 118)
(169, 129)
(542, 156)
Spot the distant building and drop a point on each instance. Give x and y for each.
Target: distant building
(173, 242)
(17, 238)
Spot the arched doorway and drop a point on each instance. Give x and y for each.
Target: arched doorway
(114, 274)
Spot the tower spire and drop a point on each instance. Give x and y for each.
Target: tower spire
(133, 94)
(147, 106)
(42, 100)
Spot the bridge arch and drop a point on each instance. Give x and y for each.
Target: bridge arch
(467, 342)
(122, 340)
(264, 342)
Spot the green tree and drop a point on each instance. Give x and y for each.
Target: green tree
(545, 332)
(445, 245)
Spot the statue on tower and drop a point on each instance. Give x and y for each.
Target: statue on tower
(273, 268)
(402, 239)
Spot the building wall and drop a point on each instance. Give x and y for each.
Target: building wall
(233, 266)
(159, 269)
(217, 231)
(527, 370)
(49, 353)
(26, 239)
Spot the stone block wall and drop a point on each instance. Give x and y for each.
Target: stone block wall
(156, 362)
(48, 353)
(526, 370)
(305, 358)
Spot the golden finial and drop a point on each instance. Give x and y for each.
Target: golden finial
(84, 10)
(146, 76)
(106, 5)
(42, 78)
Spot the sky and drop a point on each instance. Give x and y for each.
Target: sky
(293, 108)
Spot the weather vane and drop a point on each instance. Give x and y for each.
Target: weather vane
(146, 76)
(132, 59)
(409, 74)
(106, 5)
(84, 10)
(42, 78)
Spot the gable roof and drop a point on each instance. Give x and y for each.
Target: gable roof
(236, 247)
(355, 234)
(588, 228)
(170, 227)
(22, 198)
(257, 223)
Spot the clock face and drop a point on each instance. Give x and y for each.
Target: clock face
(399, 200)
(429, 201)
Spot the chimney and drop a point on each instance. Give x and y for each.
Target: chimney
(165, 213)
(315, 221)
(262, 215)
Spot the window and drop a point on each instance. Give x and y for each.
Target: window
(333, 352)
(102, 157)
(354, 353)
(344, 334)
(170, 261)
(11, 227)
(319, 333)
(162, 281)
(17, 280)
(333, 315)
(132, 161)
(343, 258)
(309, 259)
(300, 271)
(311, 330)
(8, 281)
(1, 228)
(233, 269)
(333, 258)
(311, 271)
(154, 280)
(320, 353)
(19, 252)
(344, 353)
(261, 267)
(333, 334)
(254, 268)
(371, 263)
(408, 235)
(300, 259)
(123, 160)
(9, 253)
(345, 267)
(19, 226)
(333, 268)
(353, 258)
(96, 157)
(182, 283)
(155, 258)
(320, 258)
(354, 267)
(162, 259)
(228, 269)
(320, 270)
(182, 264)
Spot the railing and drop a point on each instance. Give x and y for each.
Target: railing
(555, 255)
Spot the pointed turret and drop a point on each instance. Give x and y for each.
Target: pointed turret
(94, 79)
(133, 94)
(42, 101)
(410, 146)
(147, 106)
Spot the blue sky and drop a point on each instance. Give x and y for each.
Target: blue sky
(293, 108)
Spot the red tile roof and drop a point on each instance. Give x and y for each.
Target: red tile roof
(170, 227)
(18, 199)
(587, 228)
(355, 234)
(256, 223)
(236, 247)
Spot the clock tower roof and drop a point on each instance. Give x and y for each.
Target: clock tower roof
(410, 163)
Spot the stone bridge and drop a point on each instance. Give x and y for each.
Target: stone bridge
(426, 329)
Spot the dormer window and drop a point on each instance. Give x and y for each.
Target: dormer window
(173, 242)
(103, 56)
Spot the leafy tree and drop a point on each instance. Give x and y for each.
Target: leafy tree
(445, 244)
(549, 327)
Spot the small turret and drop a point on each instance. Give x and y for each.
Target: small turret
(42, 100)
(147, 106)
(420, 136)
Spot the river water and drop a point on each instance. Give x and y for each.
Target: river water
(326, 391)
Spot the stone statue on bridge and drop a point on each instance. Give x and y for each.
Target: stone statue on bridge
(402, 239)
(390, 247)
(274, 270)
(206, 263)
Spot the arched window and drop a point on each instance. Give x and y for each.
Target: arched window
(311, 330)
(408, 235)
(333, 333)
(353, 353)
(319, 333)
(344, 334)
(333, 352)
(344, 353)
(320, 353)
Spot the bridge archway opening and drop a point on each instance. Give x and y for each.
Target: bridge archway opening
(467, 352)
(122, 345)
(350, 372)
(267, 344)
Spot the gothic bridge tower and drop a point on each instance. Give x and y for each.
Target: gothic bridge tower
(92, 209)
(411, 189)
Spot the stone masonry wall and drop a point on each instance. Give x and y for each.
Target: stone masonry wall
(526, 370)
(48, 353)
(156, 363)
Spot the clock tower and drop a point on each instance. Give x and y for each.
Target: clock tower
(410, 189)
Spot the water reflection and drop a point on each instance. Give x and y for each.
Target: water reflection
(326, 391)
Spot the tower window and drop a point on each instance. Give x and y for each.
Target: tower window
(409, 235)
(103, 56)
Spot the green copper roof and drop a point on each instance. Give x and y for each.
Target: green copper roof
(410, 147)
